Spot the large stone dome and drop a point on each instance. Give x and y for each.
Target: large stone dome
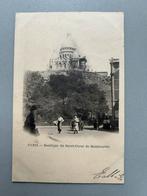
(68, 56)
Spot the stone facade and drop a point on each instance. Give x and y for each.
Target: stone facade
(68, 57)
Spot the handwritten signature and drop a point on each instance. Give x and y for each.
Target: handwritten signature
(108, 173)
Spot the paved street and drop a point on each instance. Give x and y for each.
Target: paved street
(66, 130)
(51, 133)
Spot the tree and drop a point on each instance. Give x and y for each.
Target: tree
(62, 94)
(78, 96)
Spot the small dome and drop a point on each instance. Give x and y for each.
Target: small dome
(68, 42)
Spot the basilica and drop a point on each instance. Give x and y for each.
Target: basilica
(68, 57)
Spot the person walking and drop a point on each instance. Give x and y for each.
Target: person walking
(59, 123)
(75, 124)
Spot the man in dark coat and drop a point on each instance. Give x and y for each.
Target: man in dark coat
(30, 121)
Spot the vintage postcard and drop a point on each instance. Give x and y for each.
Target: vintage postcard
(68, 97)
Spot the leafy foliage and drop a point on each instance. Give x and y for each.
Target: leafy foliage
(67, 95)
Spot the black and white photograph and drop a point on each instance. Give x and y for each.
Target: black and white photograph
(68, 101)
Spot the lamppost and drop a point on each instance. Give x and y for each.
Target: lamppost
(112, 89)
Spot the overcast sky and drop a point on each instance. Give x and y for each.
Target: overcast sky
(98, 35)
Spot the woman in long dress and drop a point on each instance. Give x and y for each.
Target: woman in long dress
(59, 123)
(75, 124)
